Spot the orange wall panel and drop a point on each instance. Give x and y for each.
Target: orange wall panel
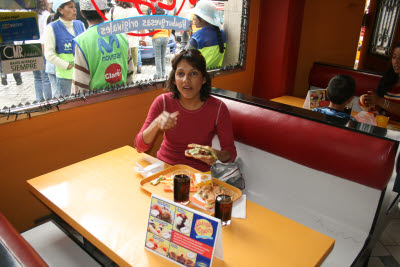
(45, 143)
(330, 33)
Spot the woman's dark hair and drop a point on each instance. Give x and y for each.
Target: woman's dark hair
(123, 4)
(42, 5)
(219, 35)
(58, 14)
(196, 60)
(51, 18)
(389, 78)
(92, 15)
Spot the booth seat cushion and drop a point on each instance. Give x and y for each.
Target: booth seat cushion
(14, 250)
(357, 157)
(321, 73)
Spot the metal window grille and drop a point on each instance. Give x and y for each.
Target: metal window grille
(385, 27)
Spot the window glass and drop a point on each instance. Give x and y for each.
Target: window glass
(19, 92)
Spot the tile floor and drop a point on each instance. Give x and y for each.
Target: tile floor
(387, 251)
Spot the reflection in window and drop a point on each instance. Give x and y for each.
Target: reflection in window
(385, 27)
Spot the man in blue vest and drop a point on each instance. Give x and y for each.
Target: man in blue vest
(100, 61)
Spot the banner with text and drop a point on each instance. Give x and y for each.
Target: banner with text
(21, 58)
(18, 26)
(143, 23)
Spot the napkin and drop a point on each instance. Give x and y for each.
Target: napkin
(239, 208)
(149, 170)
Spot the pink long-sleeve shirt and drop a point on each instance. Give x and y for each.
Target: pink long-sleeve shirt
(193, 126)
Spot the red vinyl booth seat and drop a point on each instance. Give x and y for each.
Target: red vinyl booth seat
(320, 75)
(350, 155)
(14, 249)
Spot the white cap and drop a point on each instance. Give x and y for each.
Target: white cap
(208, 11)
(58, 3)
(87, 4)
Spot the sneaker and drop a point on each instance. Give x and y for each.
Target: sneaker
(139, 70)
(3, 80)
(19, 81)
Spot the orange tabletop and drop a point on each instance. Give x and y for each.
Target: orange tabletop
(290, 100)
(102, 199)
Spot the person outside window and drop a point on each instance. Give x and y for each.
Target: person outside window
(100, 61)
(58, 43)
(50, 67)
(41, 79)
(160, 42)
(340, 92)
(210, 39)
(124, 10)
(17, 76)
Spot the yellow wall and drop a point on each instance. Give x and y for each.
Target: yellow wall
(330, 33)
(30, 148)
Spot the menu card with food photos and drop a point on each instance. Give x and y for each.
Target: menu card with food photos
(316, 98)
(183, 235)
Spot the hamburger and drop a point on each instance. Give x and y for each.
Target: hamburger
(200, 152)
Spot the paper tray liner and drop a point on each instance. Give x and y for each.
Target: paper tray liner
(159, 188)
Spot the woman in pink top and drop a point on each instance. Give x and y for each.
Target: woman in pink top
(188, 114)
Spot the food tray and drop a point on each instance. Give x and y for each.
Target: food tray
(159, 188)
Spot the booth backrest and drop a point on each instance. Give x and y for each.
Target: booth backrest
(14, 249)
(316, 174)
(320, 75)
(350, 155)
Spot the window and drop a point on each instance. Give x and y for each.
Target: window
(385, 27)
(24, 101)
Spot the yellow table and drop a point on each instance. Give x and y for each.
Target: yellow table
(290, 100)
(101, 198)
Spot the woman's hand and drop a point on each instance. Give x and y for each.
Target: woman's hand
(209, 161)
(164, 122)
(167, 121)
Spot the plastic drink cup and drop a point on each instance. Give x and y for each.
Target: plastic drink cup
(382, 121)
(181, 188)
(223, 206)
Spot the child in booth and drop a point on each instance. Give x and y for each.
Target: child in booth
(340, 92)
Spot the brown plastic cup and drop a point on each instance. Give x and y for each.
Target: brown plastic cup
(223, 206)
(181, 187)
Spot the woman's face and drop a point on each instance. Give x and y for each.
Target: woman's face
(197, 21)
(188, 80)
(396, 60)
(69, 11)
